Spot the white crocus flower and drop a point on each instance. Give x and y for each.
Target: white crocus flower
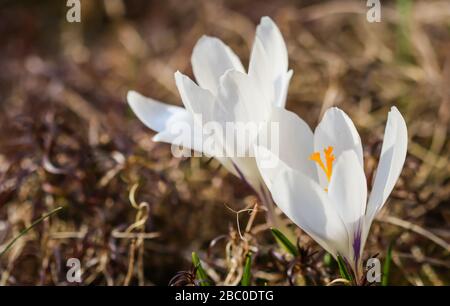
(225, 94)
(319, 180)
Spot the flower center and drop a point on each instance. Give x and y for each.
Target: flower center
(327, 167)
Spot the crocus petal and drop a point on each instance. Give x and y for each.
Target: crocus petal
(154, 114)
(393, 154)
(227, 163)
(269, 164)
(291, 139)
(348, 192)
(237, 102)
(238, 98)
(261, 70)
(174, 124)
(272, 40)
(336, 129)
(247, 170)
(210, 59)
(182, 132)
(269, 61)
(186, 133)
(197, 100)
(307, 205)
(281, 89)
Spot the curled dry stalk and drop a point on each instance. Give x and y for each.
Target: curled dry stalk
(238, 246)
(339, 282)
(136, 232)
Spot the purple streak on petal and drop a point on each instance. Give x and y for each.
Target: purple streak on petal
(241, 175)
(357, 243)
(267, 201)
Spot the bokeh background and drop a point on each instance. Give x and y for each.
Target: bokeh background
(68, 138)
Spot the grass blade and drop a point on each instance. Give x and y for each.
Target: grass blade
(247, 276)
(387, 265)
(343, 269)
(284, 242)
(404, 8)
(200, 272)
(11, 243)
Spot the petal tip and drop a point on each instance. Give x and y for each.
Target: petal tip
(396, 113)
(131, 96)
(205, 39)
(156, 138)
(134, 98)
(266, 21)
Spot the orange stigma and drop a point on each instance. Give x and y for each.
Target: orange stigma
(329, 158)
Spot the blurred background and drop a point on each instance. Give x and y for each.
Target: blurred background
(132, 214)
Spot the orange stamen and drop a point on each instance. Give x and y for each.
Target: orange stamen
(329, 158)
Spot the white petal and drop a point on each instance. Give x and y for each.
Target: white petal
(291, 139)
(281, 89)
(261, 70)
(237, 103)
(174, 124)
(239, 98)
(269, 165)
(274, 45)
(210, 59)
(348, 192)
(337, 130)
(154, 114)
(308, 206)
(269, 61)
(393, 154)
(182, 132)
(197, 100)
(247, 170)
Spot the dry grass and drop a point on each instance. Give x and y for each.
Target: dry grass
(67, 137)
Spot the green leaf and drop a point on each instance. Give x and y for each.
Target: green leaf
(247, 276)
(284, 242)
(343, 269)
(387, 265)
(200, 272)
(11, 243)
